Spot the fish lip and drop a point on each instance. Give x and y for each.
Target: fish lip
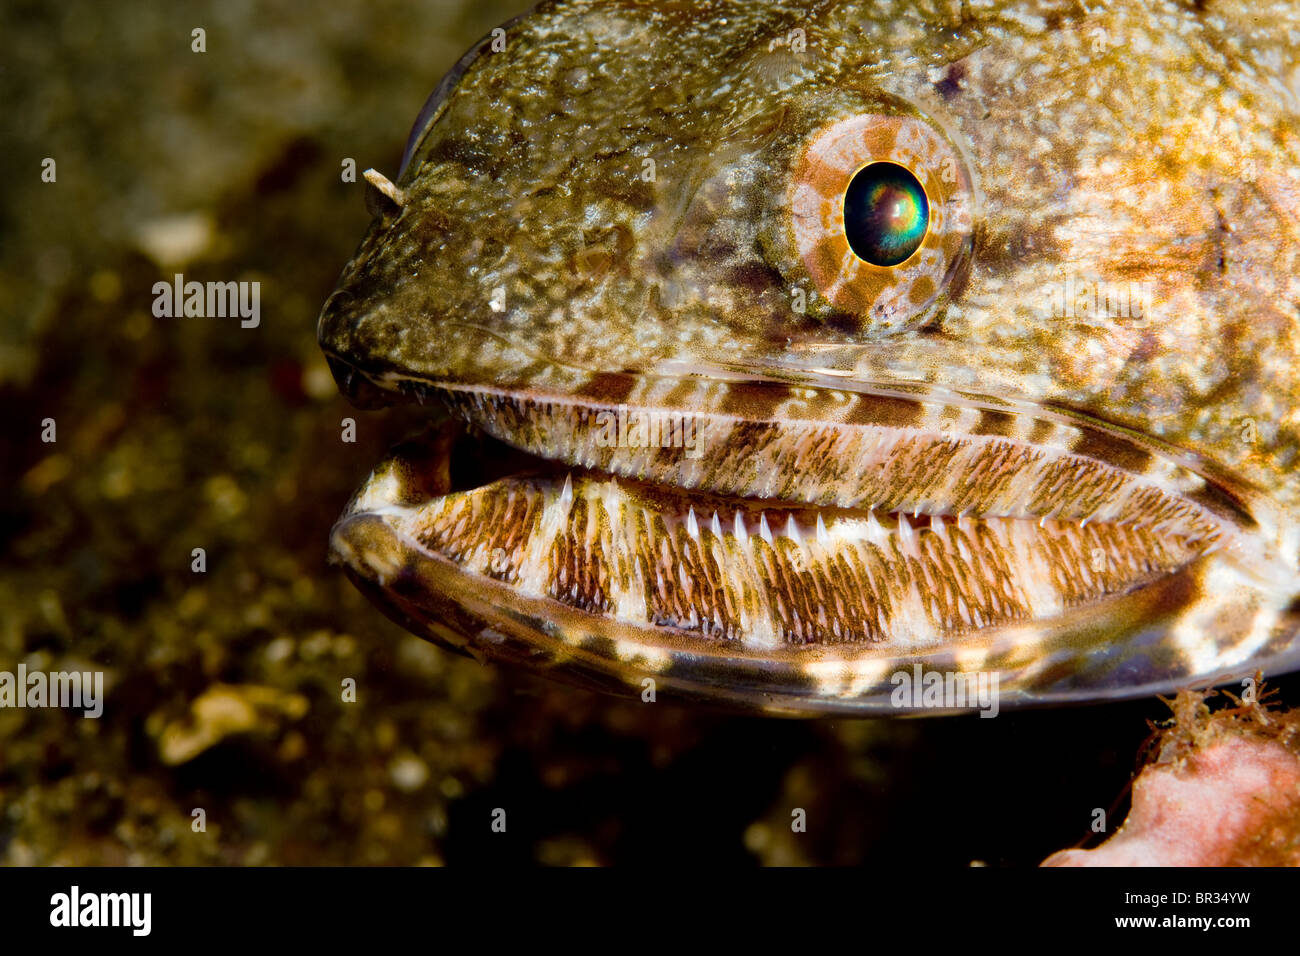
(380, 387)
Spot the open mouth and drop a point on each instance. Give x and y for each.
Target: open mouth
(770, 572)
(801, 538)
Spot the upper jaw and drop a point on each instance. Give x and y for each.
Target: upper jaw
(833, 441)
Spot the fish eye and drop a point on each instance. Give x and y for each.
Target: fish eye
(886, 214)
(879, 220)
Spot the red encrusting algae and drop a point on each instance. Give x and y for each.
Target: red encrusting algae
(1220, 788)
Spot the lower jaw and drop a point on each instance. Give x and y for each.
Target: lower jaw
(774, 605)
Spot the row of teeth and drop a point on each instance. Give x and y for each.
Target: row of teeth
(866, 528)
(941, 572)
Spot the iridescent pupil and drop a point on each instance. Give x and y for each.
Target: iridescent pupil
(885, 214)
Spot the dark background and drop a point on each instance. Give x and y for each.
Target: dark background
(175, 434)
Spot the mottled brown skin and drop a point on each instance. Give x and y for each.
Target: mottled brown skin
(532, 268)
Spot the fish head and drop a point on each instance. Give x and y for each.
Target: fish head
(833, 340)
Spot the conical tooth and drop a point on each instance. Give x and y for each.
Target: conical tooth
(823, 536)
(716, 527)
(936, 524)
(742, 533)
(566, 494)
(764, 531)
(876, 533)
(792, 530)
(692, 526)
(906, 536)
